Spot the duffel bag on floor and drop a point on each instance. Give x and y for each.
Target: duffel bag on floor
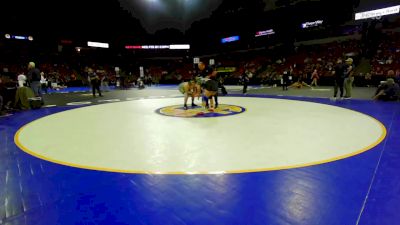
(35, 103)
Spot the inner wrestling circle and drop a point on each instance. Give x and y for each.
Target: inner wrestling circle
(130, 137)
(200, 112)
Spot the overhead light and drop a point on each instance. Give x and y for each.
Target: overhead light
(179, 46)
(20, 37)
(230, 39)
(98, 44)
(133, 47)
(172, 47)
(377, 12)
(312, 24)
(265, 32)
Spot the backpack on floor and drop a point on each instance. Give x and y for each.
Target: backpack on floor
(35, 103)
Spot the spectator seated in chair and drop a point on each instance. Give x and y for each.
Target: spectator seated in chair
(388, 91)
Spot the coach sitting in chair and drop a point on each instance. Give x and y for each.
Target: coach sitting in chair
(388, 91)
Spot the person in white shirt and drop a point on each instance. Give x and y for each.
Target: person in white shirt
(43, 82)
(21, 80)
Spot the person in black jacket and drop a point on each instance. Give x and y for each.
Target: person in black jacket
(94, 81)
(245, 80)
(285, 80)
(34, 79)
(339, 74)
(5, 96)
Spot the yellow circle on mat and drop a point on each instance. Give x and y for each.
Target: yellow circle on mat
(130, 137)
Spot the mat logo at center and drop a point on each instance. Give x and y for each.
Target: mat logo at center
(200, 112)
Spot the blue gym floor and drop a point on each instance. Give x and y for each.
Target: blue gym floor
(364, 189)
